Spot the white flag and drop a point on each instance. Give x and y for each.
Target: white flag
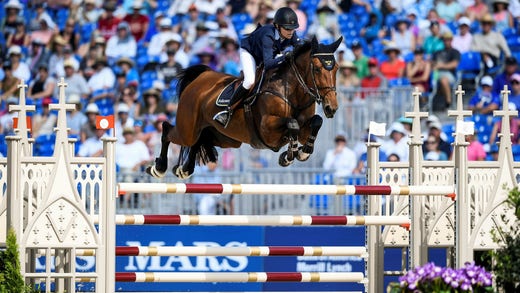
(378, 129)
(465, 127)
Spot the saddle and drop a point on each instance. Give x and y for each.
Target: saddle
(227, 92)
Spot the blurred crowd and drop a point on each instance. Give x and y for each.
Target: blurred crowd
(121, 57)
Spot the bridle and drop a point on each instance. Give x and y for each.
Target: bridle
(315, 91)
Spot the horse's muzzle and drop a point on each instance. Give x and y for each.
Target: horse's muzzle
(329, 111)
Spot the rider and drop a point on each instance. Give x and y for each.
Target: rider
(269, 44)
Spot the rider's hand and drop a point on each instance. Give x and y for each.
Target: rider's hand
(288, 54)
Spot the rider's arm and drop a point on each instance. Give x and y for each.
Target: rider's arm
(270, 61)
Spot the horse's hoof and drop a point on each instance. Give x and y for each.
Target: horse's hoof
(302, 156)
(282, 160)
(181, 174)
(160, 165)
(152, 171)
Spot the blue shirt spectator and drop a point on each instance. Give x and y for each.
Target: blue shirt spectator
(484, 101)
(504, 78)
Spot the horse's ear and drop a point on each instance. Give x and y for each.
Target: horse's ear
(336, 44)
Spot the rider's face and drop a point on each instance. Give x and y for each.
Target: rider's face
(286, 33)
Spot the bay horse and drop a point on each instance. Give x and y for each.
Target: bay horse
(281, 110)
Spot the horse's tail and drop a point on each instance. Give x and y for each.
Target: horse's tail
(186, 76)
(205, 149)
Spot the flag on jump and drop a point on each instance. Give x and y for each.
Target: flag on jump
(378, 129)
(465, 127)
(105, 122)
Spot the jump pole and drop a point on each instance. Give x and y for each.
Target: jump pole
(359, 251)
(245, 220)
(306, 189)
(259, 277)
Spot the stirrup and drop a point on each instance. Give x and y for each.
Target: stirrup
(222, 117)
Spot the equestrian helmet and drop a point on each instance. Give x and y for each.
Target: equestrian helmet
(286, 18)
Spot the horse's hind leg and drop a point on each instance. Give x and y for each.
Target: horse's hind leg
(306, 150)
(287, 157)
(186, 163)
(161, 163)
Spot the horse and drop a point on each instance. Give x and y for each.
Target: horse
(280, 111)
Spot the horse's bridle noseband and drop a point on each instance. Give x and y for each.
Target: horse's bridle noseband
(315, 91)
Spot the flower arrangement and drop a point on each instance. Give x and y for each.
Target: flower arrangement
(432, 278)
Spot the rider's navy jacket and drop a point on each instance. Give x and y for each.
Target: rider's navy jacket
(265, 43)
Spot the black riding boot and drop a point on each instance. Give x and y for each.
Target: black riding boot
(223, 117)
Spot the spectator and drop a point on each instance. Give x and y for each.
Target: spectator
(6, 119)
(435, 130)
(393, 67)
(75, 118)
(107, 23)
(228, 57)
(445, 63)
(341, 160)
(41, 14)
(76, 83)
(393, 158)
(57, 55)
(433, 42)
(38, 55)
(70, 35)
(86, 65)
(139, 23)
(188, 26)
(504, 78)
(93, 146)
(20, 36)
(362, 161)
(68, 56)
(156, 46)
(462, 41)
(418, 71)
(403, 37)
(503, 18)
(43, 122)
(153, 28)
(202, 39)
(169, 69)
(433, 152)
(429, 121)
(449, 10)
(123, 121)
(12, 11)
(207, 203)
(129, 97)
(153, 106)
(175, 43)
(88, 13)
(102, 81)
(514, 97)
(44, 32)
(374, 80)
(476, 11)
(9, 83)
(256, 160)
(88, 129)
(360, 60)
(19, 68)
(126, 66)
(43, 86)
(412, 15)
(489, 43)
(484, 101)
(475, 149)
(122, 44)
(207, 57)
(514, 122)
(397, 144)
(347, 75)
(373, 30)
(224, 20)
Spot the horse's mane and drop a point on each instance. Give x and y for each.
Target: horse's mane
(189, 74)
(302, 48)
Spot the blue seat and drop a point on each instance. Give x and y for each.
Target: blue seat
(3, 145)
(44, 145)
(509, 33)
(86, 31)
(469, 65)
(513, 42)
(395, 82)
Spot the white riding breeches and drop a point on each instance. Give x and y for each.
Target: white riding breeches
(248, 67)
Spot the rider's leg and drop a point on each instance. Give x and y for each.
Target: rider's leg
(248, 67)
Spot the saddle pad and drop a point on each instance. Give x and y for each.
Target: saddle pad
(225, 95)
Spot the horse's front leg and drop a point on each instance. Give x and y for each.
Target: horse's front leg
(287, 157)
(161, 163)
(306, 150)
(186, 164)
